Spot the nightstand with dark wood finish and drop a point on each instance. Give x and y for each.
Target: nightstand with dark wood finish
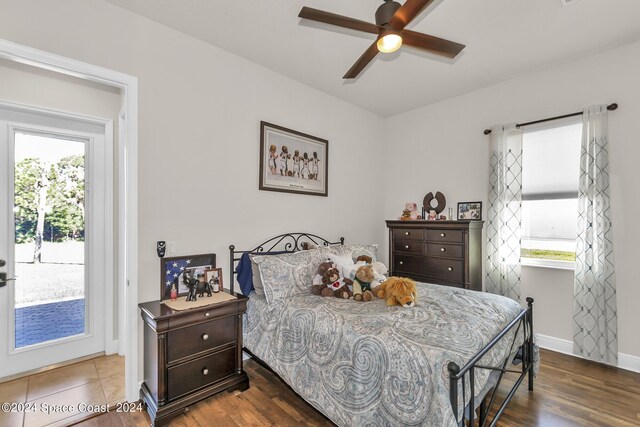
(442, 252)
(190, 355)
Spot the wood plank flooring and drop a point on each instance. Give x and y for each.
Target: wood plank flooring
(568, 392)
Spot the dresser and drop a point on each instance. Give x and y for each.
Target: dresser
(190, 355)
(443, 252)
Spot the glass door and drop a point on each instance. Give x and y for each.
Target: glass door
(51, 301)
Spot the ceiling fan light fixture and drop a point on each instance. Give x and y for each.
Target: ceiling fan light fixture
(389, 42)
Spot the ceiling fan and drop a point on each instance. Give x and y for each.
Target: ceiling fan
(391, 20)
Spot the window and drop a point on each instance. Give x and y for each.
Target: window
(550, 171)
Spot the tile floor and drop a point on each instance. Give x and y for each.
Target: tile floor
(93, 382)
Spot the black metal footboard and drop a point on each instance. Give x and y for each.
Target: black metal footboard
(459, 377)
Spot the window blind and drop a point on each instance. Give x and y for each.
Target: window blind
(551, 155)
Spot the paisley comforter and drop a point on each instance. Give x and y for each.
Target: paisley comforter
(366, 364)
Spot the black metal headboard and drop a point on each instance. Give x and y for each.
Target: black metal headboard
(289, 242)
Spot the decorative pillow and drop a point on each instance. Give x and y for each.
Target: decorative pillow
(248, 276)
(355, 250)
(286, 275)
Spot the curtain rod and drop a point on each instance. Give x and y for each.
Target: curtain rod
(610, 107)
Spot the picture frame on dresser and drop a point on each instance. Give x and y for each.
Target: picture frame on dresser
(173, 269)
(470, 211)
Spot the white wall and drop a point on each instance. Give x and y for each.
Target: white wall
(442, 147)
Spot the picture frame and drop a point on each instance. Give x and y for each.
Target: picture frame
(172, 270)
(292, 161)
(470, 211)
(212, 273)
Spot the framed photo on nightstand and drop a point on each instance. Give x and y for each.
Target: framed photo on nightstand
(173, 271)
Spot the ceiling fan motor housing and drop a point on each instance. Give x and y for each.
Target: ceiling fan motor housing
(386, 11)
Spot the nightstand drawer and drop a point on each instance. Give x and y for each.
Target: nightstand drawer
(408, 234)
(445, 250)
(411, 246)
(190, 376)
(185, 342)
(445, 269)
(444, 235)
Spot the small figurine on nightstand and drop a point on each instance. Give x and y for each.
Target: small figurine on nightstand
(432, 215)
(203, 286)
(191, 284)
(215, 284)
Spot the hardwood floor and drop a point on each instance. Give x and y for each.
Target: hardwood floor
(568, 392)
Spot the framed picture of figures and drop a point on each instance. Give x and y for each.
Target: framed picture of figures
(292, 161)
(175, 271)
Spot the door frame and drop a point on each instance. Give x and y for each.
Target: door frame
(98, 274)
(127, 158)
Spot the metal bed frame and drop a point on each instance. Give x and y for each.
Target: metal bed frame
(460, 378)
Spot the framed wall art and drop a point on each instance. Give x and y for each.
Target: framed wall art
(174, 269)
(292, 161)
(470, 210)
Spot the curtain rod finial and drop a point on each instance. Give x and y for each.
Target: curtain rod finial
(612, 107)
(487, 131)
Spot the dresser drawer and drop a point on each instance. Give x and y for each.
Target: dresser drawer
(191, 340)
(445, 250)
(408, 234)
(444, 236)
(445, 269)
(190, 376)
(412, 246)
(409, 264)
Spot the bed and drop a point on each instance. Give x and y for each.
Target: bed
(369, 364)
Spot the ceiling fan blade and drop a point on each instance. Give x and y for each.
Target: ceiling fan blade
(337, 20)
(362, 62)
(407, 13)
(431, 43)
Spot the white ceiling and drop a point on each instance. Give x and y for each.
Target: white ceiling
(504, 39)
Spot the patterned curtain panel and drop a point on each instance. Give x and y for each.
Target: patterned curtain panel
(595, 334)
(504, 222)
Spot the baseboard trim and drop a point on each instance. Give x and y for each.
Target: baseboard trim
(625, 361)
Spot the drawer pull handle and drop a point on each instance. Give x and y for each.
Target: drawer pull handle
(205, 337)
(442, 249)
(450, 268)
(205, 371)
(406, 233)
(401, 263)
(442, 234)
(206, 314)
(406, 246)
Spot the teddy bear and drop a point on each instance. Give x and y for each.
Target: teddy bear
(362, 283)
(379, 275)
(334, 285)
(398, 291)
(318, 285)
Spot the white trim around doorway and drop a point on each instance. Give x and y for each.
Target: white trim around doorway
(127, 275)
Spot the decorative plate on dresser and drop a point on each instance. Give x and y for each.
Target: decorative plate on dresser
(190, 355)
(442, 252)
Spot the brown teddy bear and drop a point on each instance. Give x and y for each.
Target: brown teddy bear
(334, 285)
(318, 285)
(362, 283)
(398, 291)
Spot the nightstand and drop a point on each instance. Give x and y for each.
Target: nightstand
(190, 355)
